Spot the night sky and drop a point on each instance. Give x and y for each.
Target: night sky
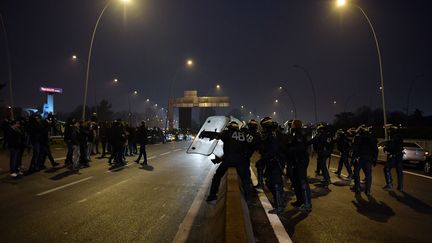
(246, 46)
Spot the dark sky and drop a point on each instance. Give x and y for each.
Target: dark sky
(247, 46)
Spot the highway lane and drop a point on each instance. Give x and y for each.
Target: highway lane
(130, 205)
(339, 216)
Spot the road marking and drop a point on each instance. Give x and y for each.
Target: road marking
(60, 158)
(176, 150)
(81, 201)
(64, 186)
(152, 157)
(187, 224)
(412, 173)
(165, 153)
(275, 222)
(406, 172)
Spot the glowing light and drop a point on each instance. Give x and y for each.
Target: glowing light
(276, 101)
(334, 102)
(135, 92)
(340, 3)
(218, 86)
(189, 62)
(74, 57)
(115, 80)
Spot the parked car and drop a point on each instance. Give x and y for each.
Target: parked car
(413, 153)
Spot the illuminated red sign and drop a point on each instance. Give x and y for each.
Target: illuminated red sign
(51, 90)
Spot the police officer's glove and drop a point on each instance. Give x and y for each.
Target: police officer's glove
(216, 160)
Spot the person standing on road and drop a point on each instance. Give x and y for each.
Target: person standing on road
(365, 153)
(84, 134)
(323, 144)
(141, 138)
(35, 135)
(394, 147)
(67, 139)
(75, 141)
(343, 147)
(273, 157)
(16, 145)
(103, 136)
(298, 149)
(45, 150)
(235, 155)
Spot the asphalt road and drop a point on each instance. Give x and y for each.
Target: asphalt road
(151, 204)
(339, 216)
(131, 204)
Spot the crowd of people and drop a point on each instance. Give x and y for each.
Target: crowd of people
(285, 152)
(82, 138)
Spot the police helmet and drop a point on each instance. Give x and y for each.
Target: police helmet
(362, 128)
(233, 125)
(252, 124)
(340, 131)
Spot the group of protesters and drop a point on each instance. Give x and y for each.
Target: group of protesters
(83, 139)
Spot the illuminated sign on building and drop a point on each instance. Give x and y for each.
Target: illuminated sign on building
(51, 90)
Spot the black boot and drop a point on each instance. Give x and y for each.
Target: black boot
(279, 202)
(260, 179)
(307, 199)
(388, 179)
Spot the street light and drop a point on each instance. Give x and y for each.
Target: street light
(169, 122)
(135, 92)
(90, 54)
(313, 89)
(115, 80)
(11, 101)
(74, 57)
(276, 101)
(334, 102)
(291, 99)
(342, 3)
(218, 86)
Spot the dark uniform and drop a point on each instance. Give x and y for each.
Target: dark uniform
(343, 146)
(365, 152)
(141, 138)
(394, 148)
(272, 155)
(323, 145)
(298, 150)
(235, 150)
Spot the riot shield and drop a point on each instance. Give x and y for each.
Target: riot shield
(205, 146)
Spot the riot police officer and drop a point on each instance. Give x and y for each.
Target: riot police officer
(343, 146)
(323, 144)
(235, 155)
(272, 155)
(394, 148)
(365, 152)
(300, 161)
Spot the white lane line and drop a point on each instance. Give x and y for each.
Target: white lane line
(412, 173)
(275, 222)
(176, 150)
(187, 224)
(165, 153)
(152, 157)
(406, 172)
(64, 186)
(81, 201)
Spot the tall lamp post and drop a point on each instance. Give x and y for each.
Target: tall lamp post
(9, 68)
(168, 121)
(90, 54)
(291, 99)
(342, 3)
(313, 89)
